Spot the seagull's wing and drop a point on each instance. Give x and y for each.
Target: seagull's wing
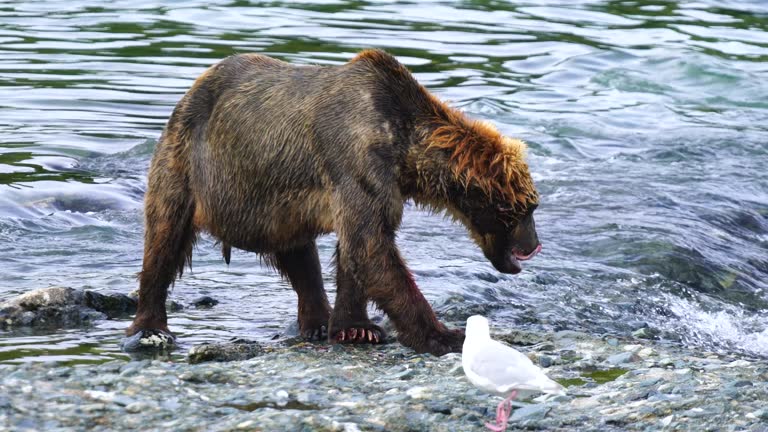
(508, 369)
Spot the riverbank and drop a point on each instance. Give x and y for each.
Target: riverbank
(612, 384)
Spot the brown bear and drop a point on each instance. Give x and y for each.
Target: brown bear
(266, 156)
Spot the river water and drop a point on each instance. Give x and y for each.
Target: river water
(647, 123)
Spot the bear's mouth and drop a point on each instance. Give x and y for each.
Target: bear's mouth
(522, 257)
(510, 262)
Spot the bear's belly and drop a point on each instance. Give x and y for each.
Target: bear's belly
(281, 222)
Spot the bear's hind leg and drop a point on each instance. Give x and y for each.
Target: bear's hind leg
(168, 240)
(302, 268)
(349, 321)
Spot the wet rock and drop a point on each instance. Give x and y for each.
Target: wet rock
(109, 397)
(63, 307)
(112, 305)
(48, 307)
(405, 375)
(545, 361)
(646, 333)
(205, 302)
(439, 407)
(419, 392)
(520, 337)
(570, 334)
(139, 407)
(622, 358)
(530, 412)
(739, 384)
(237, 350)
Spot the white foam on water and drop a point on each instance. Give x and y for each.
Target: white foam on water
(727, 330)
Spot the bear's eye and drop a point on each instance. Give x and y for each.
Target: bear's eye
(484, 218)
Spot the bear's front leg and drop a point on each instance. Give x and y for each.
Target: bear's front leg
(349, 322)
(374, 263)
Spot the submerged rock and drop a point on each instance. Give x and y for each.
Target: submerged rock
(62, 307)
(240, 349)
(205, 302)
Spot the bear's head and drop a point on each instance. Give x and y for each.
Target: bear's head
(488, 187)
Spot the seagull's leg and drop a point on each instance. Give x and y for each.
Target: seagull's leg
(503, 410)
(496, 427)
(507, 409)
(500, 414)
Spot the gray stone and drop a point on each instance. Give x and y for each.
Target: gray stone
(545, 361)
(521, 337)
(530, 412)
(622, 358)
(63, 307)
(739, 383)
(48, 307)
(404, 375)
(646, 333)
(649, 382)
(570, 334)
(439, 407)
(138, 407)
(112, 305)
(237, 350)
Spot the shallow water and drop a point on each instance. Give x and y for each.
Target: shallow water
(647, 123)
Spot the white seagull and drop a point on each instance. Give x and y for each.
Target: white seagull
(501, 370)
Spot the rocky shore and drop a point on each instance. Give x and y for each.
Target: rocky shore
(613, 384)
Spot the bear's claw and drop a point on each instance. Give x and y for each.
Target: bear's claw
(315, 334)
(359, 335)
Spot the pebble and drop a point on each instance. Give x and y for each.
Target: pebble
(418, 392)
(646, 333)
(739, 383)
(238, 350)
(138, 407)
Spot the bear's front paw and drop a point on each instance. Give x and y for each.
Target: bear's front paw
(440, 342)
